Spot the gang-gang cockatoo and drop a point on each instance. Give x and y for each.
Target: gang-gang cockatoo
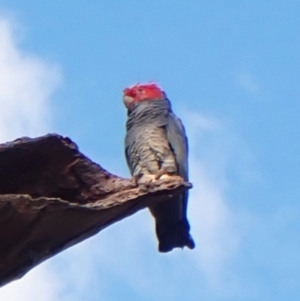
(156, 146)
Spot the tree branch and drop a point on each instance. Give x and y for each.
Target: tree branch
(52, 197)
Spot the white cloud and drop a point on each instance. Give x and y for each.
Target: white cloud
(212, 219)
(40, 284)
(26, 85)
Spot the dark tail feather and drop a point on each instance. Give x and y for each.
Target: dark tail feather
(177, 236)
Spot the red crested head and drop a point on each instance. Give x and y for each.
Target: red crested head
(141, 92)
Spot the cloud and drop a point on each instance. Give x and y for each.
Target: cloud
(27, 83)
(213, 221)
(39, 284)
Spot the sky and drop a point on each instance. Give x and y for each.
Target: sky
(231, 69)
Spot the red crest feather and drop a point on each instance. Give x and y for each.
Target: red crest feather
(144, 91)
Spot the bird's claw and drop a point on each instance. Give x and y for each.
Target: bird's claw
(163, 174)
(148, 178)
(159, 174)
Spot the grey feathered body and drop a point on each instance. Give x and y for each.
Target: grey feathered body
(156, 140)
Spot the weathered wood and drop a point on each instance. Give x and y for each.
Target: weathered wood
(52, 197)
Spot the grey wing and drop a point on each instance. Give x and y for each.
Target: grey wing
(129, 145)
(179, 144)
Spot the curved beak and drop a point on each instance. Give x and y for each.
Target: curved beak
(128, 101)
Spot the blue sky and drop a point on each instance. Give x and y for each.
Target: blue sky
(231, 70)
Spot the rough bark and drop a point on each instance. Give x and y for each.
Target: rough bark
(52, 197)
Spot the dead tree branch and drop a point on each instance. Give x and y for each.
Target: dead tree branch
(52, 197)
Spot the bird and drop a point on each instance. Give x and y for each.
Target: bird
(156, 147)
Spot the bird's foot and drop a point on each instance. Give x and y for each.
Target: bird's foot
(148, 178)
(164, 174)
